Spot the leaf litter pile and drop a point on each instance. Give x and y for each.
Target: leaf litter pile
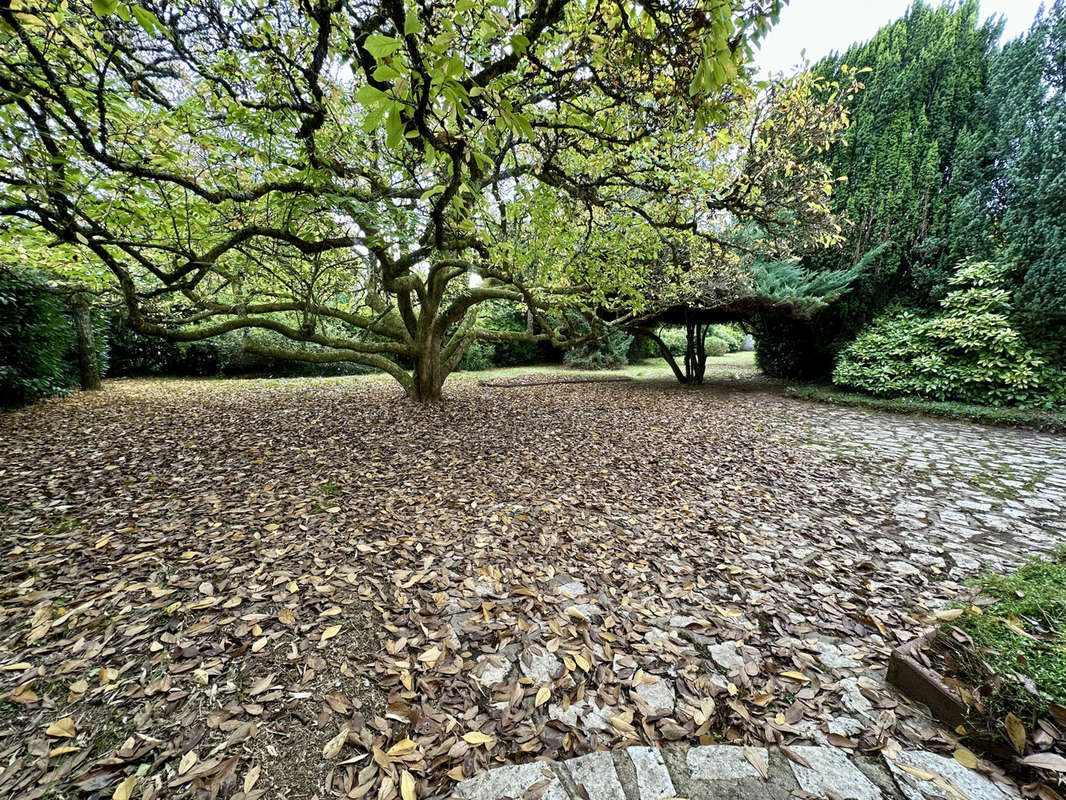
(320, 590)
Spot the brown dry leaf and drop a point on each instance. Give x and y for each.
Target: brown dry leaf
(334, 746)
(1050, 761)
(755, 758)
(478, 738)
(187, 762)
(250, 778)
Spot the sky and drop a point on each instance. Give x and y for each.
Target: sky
(822, 26)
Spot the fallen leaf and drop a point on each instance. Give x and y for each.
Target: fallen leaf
(63, 728)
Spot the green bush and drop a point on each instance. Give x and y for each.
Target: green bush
(37, 340)
(716, 346)
(477, 357)
(606, 352)
(792, 348)
(970, 352)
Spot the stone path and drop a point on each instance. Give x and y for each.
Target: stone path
(986, 495)
(728, 772)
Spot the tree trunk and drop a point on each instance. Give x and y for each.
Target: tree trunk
(664, 351)
(428, 373)
(88, 369)
(695, 353)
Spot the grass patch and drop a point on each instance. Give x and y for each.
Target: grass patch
(1016, 653)
(1052, 421)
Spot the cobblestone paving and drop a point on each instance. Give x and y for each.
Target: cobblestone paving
(985, 496)
(727, 772)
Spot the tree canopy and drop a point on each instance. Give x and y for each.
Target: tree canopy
(351, 182)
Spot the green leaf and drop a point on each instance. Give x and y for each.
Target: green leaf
(146, 19)
(384, 73)
(368, 95)
(412, 25)
(381, 46)
(463, 5)
(102, 8)
(519, 43)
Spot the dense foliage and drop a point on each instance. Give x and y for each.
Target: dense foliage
(36, 338)
(971, 351)
(955, 152)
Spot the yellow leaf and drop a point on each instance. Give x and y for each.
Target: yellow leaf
(456, 774)
(63, 728)
(286, 617)
(477, 737)
(251, 778)
(62, 751)
(796, 676)
(407, 786)
(330, 632)
(1016, 733)
(402, 748)
(24, 695)
(125, 789)
(543, 695)
(107, 675)
(965, 757)
(582, 662)
(16, 667)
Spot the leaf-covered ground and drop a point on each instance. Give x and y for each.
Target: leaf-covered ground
(315, 588)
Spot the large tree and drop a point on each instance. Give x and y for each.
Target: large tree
(334, 173)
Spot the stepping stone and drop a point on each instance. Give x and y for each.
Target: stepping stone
(572, 590)
(585, 716)
(949, 772)
(653, 779)
(726, 655)
(831, 771)
(542, 667)
(513, 781)
(659, 695)
(597, 774)
(721, 762)
(488, 674)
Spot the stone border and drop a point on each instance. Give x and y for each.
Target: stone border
(918, 682)
(732, 772)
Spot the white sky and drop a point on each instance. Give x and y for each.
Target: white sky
(822, 26)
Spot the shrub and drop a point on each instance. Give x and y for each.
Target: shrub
(715, 346)
(792, 348)
(970, 352)
(477, 357)
(36, 340)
